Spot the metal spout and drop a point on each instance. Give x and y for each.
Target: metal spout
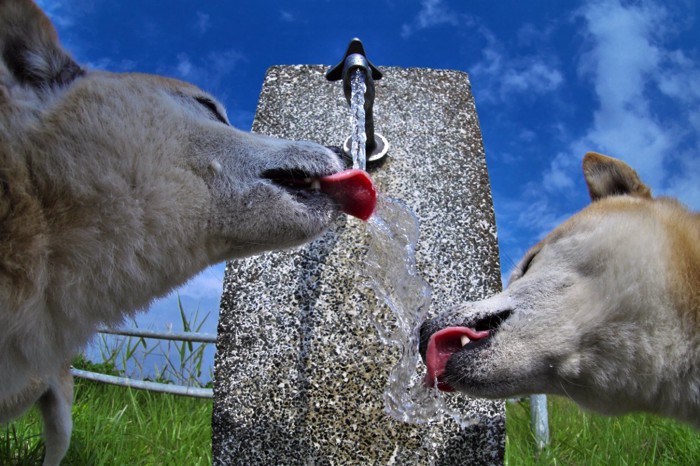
(356, 58)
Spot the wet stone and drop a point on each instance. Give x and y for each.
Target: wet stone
(300, 371)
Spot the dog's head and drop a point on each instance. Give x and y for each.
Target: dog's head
(587, 309)
(153, 153)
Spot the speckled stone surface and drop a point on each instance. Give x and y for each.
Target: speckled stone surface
(300, 371)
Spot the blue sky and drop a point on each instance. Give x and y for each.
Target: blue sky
(551, 80)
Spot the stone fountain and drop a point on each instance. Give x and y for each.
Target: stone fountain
(300, 372)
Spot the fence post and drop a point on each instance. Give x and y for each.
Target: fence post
(539, 421)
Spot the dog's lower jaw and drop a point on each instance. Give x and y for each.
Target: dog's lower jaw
(477, 373)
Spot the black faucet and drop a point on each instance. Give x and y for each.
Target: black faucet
(355, 58)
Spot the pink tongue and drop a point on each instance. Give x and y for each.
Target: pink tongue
(441, 346)
(353, 191)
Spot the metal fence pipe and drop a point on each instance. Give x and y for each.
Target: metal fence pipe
(180, 336)
(145, 385)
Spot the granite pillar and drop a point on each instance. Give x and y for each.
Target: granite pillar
(299, 370)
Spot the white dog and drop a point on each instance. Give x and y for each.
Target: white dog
(114, 189)
(604, 310)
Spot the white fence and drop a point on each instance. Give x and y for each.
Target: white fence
(146, 385)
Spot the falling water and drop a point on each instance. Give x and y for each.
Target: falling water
(358, 138)
(391, 273)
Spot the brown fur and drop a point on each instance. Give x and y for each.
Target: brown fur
(604, 310)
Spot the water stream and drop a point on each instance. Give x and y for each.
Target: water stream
(390, 272)
(358, 138)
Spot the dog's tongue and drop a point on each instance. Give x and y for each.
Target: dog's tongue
(353, 191)
(441, 346)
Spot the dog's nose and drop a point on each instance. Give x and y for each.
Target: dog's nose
(338, 151)
(347, 161)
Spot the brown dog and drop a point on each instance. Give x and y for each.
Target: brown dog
(604, 310)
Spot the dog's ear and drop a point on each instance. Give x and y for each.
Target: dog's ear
(30, 53)
(606, 176)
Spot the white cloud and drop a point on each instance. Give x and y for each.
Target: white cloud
(694, 120)
(287, 16)
(623, 57)
(527, 135)
(681, 79)
(203, 23)
(432, 13)
(523, 221)
(647, 96)
(184, 66)
(556, 179)
(499, 76)
(106, 63)
(208, 71)
(685, 185)
(58, 12)
(622, 50)
(67, 16)
(208, 284)
(540, 217)
(630, 66)
(532, 75)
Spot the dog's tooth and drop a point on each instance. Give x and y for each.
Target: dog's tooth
(215, 166)
(315, 184)
(464, 340)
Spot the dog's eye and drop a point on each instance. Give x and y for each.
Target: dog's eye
(522, 269)
(526, 265)
(212, 108)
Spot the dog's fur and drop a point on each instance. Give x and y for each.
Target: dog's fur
(604, 310)
(114, 189)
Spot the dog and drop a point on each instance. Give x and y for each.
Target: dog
(116, 188)
(604, 310)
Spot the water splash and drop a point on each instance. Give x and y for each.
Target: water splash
(358, 138)
(391, 273)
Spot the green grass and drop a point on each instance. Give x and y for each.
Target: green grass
(119, 426)
(583, 438)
